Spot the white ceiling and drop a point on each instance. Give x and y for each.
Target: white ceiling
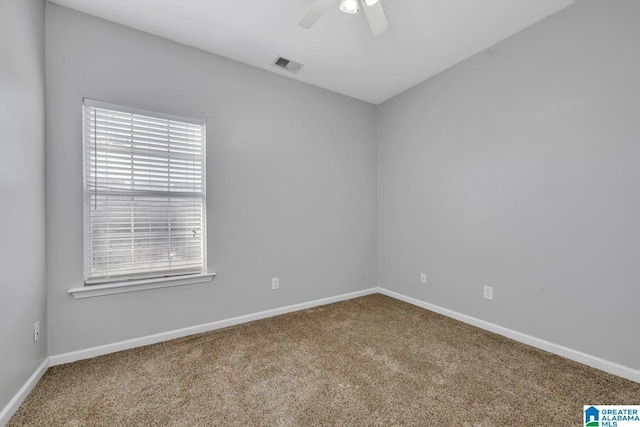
(339, 52)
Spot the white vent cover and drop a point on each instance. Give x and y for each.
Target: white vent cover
(287, 64)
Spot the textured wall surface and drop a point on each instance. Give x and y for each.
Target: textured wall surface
(518, 169)
(290, 181)
(22, 193)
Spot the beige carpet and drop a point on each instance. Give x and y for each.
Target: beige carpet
(371, 361)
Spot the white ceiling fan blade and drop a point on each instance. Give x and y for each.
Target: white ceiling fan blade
(315, 13)
(376, 17)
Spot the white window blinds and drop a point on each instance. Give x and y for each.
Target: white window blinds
(144, 183)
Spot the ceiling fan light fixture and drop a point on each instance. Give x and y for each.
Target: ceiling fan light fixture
(371, 2)
(349, 6)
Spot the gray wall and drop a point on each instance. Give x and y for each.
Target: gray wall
(516, 169)
(22, 193)
(291, 181)
(519, 168)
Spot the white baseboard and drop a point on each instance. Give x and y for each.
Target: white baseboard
(73, 356)
(22, 394)
(577, 356)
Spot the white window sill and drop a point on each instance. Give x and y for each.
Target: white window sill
(138, 285)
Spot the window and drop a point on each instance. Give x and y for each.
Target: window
(144, 194)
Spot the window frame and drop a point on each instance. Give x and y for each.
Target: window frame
(148, 279)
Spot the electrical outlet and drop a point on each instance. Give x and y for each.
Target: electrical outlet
(275, 283)
(36, 331)
(423, 277)
(488, 292)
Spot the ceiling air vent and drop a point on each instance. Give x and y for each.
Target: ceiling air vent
(287, 64)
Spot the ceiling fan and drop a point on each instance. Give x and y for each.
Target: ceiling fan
(372, 9)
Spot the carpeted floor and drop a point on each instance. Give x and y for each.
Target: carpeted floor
(371, 361)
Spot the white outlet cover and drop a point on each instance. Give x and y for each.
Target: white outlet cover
(36, 331)
(488, 292)
(423, 277)
(275, 283)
